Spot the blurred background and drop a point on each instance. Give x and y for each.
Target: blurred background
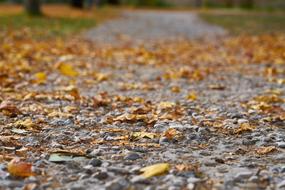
(65, 17)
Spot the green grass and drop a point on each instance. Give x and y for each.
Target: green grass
(46, 26)
(247, 22)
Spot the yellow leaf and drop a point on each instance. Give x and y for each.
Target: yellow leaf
(67, 70)
(192, 96)
(155, 170)
(175, 89)
(166, 105)
(27, 123)
(140, 135)
(18, 168)
(40, 77)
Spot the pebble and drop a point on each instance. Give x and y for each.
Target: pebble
(140, 179)
(117, 184)
(242, 176)
(101, 175)
(95, 162)
(281, 144)
(210, 163)
(132, 156)
(241, 121)
(281, 184)
(163, 140)
(190, 186)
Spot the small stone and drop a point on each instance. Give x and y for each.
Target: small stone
(140, 179)
(117, 184)
(163, 140)
(281, 184)
(95, 162)
(205, 153)
(101, 175)
(242, 176)
(281, 144)
(132, 156)
(193, 180)
(253, 179)
(77, 187)
(210, 163)
(190, 186)
(282, 169)
(241, 121)
(222, 169)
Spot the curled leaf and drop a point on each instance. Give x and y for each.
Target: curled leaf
(18, 168)
(155, 170)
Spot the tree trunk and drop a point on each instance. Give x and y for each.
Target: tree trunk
(229, 3)
(248, 4)
(33, 7)
(77, 4)
(114, 2)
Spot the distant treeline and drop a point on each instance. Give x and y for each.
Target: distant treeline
(263, 4)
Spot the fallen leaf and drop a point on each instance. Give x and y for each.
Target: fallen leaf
(140, 135)
(61, 157)
(67, 70)
(27, 123)
(18, 168)
(192, 96)
(217, 87)
(171, 133)
(265, 150)
(8, 108)
(244, 127)
(166, 105)
(175, 89)
(155, 170)
(40, 77)
(19, 131)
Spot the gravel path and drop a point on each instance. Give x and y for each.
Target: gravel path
(149, 25)
(214, 111)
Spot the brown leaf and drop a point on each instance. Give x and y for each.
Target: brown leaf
(265, 150)
(8, 108)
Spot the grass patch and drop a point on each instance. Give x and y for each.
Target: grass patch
(46, 26)
(246, 22)
(58, 20)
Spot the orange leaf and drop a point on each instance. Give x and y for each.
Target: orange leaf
(18, 168)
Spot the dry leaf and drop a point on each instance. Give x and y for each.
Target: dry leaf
(166, 105)
(8, 108)
(265, 150)
(192, 96)
(155, 170)
(40, 77)
(67, 70)
(27, 123)
(175, 89)
(244, 127)
(140, 135)
(18, 168)
(171, 133)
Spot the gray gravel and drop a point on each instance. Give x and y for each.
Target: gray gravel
(153, 25)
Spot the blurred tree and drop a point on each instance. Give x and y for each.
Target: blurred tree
(33, 7)
(248, 4)
(77, 4)
(229, 3)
